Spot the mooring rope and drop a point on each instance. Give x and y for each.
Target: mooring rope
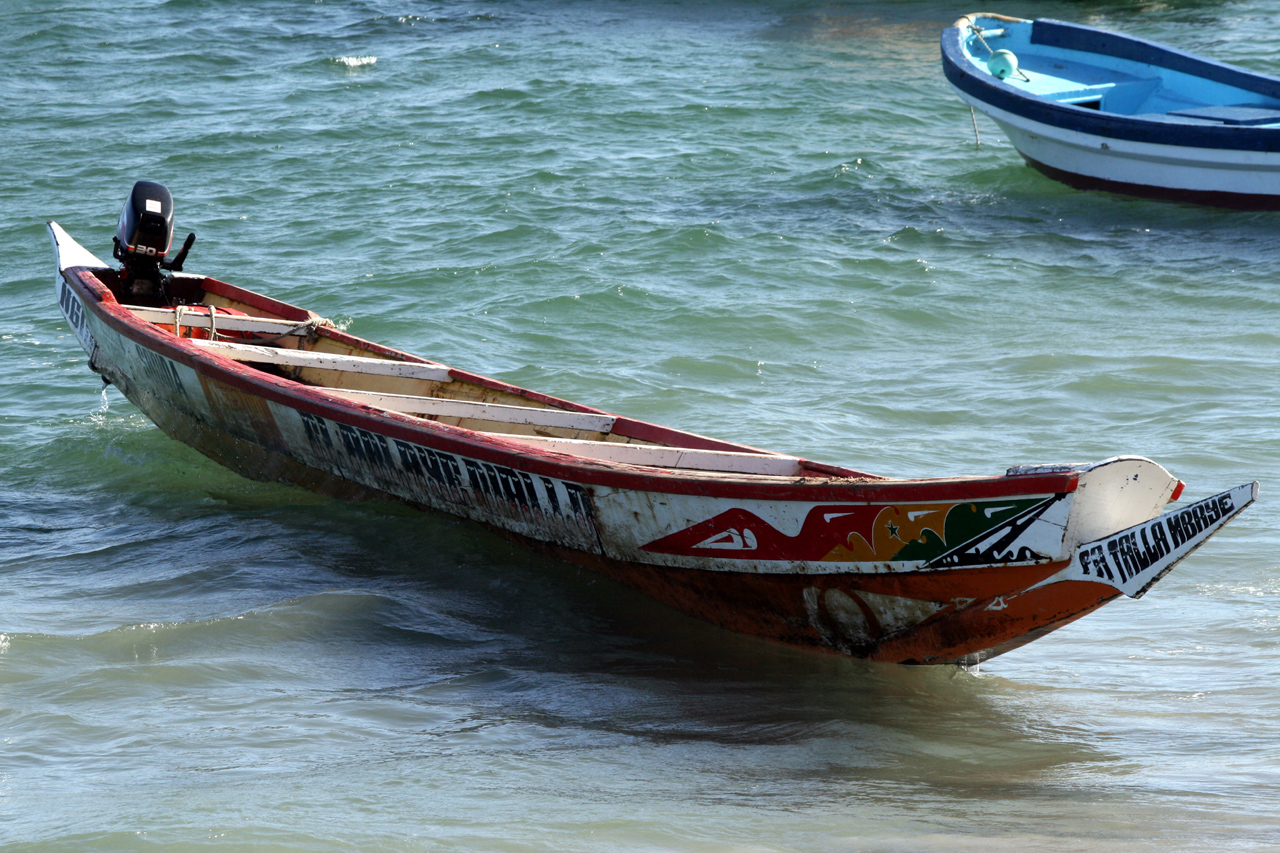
(977, 31)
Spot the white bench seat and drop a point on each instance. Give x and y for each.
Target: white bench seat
(222, 322)
(326, 361)
(659, 456)
(497, 412)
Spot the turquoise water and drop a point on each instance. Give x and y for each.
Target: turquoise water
(761, 220)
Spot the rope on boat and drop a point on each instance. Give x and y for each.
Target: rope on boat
(306, 328)
(977, 31)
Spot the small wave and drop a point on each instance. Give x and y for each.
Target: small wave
(355, 61)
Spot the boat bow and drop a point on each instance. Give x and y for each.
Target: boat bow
(1134, 559)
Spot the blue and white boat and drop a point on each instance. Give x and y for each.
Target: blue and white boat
(1100, 110)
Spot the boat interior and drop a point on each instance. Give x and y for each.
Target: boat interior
(1114, 85)
(288, 342)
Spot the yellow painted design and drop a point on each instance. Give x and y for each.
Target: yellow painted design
(894, 528)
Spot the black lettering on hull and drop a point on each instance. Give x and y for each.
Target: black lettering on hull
(317, 432)
(1133, 559)
(446, 480)
(72, 309)
(1095, 559)
(161, 373)
(365, 446)
(424, 463)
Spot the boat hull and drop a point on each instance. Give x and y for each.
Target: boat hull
(1238, 179)
(858, 614)
(1073, 136)
(911, 571)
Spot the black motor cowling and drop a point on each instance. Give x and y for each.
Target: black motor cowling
(143, 238)
(146, 224)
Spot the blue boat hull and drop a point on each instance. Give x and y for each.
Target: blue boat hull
(1100, 110)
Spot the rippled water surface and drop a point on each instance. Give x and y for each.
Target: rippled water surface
(755, 219)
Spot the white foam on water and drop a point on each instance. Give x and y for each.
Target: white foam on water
(355, 61)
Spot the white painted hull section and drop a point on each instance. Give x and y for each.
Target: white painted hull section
(1171, 167)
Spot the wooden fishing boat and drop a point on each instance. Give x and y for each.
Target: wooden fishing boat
(927, 571)
(1096, 109)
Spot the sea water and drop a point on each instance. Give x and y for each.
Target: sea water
(762, 220)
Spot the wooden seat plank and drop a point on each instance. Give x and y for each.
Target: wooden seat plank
(658, 456)
(223, 322)
(497, 412)
(326, 361)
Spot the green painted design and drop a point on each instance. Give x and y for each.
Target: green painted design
(964, 522)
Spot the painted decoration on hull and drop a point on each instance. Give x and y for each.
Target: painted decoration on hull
(942, 535)
(1133, 559)
(537, 506)
(75, 314)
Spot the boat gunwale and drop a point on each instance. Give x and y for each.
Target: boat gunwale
(500, 449)
(967, 76)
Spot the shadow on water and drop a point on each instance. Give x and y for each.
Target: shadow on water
(541, 643)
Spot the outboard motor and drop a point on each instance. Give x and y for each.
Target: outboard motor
(143, 238)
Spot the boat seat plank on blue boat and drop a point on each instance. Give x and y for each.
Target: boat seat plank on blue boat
(1239, 114)
(1178, 120)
